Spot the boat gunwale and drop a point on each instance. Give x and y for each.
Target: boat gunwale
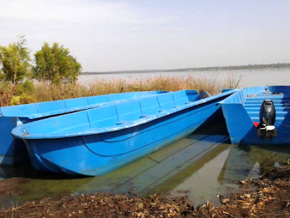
(243, 90)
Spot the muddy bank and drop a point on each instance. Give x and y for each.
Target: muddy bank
(10, 187)
(268, 196)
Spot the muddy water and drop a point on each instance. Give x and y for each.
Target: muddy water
(200, 166)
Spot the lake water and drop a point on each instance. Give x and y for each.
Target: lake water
(255, 77)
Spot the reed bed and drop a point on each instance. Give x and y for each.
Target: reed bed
(30, 92)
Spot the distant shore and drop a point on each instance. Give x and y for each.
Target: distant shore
(240, 67)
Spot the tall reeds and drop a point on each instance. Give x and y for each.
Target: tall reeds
(42, 91)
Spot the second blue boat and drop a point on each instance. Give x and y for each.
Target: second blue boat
(258, 115)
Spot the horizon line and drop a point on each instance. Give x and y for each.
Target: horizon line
(213, 68)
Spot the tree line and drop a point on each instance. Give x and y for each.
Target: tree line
(51, 63)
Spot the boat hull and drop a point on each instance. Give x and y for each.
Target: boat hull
(99, 154)
(242, 109)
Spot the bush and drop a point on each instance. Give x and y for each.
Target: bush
(55, 64)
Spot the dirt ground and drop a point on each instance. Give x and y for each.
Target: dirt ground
(268, 196)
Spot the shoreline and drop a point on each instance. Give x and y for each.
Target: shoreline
(267, 196)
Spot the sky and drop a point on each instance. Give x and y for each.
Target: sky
(153, 34)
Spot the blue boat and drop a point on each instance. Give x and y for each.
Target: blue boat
(13, 151)
(258, 115)
(96, 141)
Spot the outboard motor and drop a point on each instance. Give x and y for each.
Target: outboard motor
(267, 117)
(204, 94)
(267, 113)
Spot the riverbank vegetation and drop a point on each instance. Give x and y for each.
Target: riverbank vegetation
(30, 92)
(52, 63)
(20, 80)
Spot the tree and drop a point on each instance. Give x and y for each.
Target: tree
(15, 61)
(56, 64)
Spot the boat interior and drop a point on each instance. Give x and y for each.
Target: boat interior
(110, 117)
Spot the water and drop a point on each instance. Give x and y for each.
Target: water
(201, 166)
(254, 77)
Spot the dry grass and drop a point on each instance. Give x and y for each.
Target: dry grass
(50, 92)
(169, 83)
(43, 91)
(6, 92)
(233, 81)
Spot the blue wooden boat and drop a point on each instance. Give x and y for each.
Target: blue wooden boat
(13, 151)
(258, 115)
(96, 141)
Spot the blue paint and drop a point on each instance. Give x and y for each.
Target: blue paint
(96, 141)
(242, 109)
(13, 152)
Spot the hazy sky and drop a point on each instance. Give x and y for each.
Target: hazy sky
(153, 34)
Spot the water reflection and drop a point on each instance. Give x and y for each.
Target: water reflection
(251, 161)
(160, 172)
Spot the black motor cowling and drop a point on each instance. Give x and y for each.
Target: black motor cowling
(267, 113)
(204, 94)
